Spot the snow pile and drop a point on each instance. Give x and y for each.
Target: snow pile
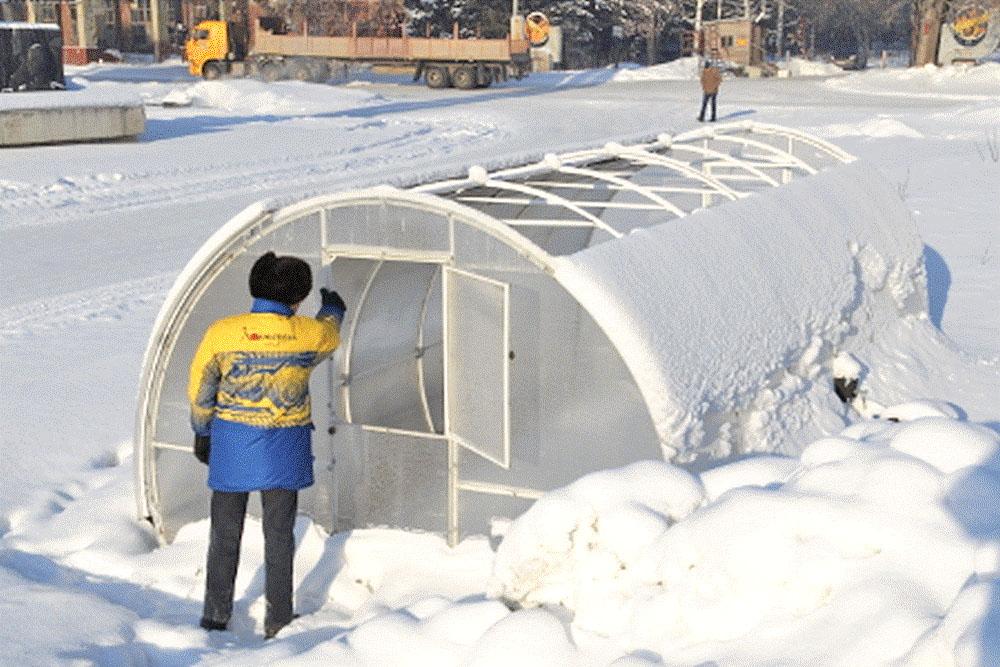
(931, 81)
(880, 127)
(682, 69)
(572, 547)
(249, 96)
(803, 67)
(854, 555)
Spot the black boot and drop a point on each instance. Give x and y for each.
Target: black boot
(210, 625)
(271, 631)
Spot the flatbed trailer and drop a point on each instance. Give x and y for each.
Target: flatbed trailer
(216, 50)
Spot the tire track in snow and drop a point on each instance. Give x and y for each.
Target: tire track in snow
(109, 302)
(76, 197)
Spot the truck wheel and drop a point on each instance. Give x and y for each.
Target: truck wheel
(437, 77)
(464, 78)
(270, 72)
(211, 71)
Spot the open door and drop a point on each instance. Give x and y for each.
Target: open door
(476, 369)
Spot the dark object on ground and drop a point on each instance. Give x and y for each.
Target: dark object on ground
(846, 390)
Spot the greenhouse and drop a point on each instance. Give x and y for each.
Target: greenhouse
(513, 329)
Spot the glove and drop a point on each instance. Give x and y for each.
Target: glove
(332, 300)
(202, 446)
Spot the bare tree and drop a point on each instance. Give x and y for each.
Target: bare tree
(926, 30)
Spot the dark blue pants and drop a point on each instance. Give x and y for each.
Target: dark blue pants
(704, 104)
(228, 513)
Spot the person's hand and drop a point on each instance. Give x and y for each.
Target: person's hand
(331, 298)
(202, 446)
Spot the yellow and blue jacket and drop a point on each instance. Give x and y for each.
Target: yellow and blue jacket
(249, 391)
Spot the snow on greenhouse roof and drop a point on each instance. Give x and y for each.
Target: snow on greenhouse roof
(617, 188)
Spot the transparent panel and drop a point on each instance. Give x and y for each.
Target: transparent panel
(477, 511)
(300, 237)
(181, 482)
(476, 374)
(385, 226)
(574, 405)
(390, 480)
(319, 501)
(478, 251)
(433, 354)
(385, 387)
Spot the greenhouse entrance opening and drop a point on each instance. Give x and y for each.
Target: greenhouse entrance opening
(423, 373)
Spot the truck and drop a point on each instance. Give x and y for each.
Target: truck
(219, 48)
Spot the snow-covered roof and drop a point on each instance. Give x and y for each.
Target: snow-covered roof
(21, 25)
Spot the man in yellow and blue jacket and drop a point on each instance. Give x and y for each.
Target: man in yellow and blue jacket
(250, 411)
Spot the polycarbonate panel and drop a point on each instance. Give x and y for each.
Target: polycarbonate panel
(476, 358)
(387, 227)
(384, 383)
(574, 405)
(181, 482)
(300, 237)
(390, 480)
(478, 511)
(475, 250)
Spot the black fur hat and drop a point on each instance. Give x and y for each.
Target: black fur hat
(285, 279)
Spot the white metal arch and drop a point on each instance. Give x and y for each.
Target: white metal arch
(554, 199)
(754, 127)
(718, 155)
(625, 185)
(684, 168)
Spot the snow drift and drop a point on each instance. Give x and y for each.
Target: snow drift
(876, 546)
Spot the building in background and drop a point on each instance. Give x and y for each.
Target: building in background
(91, 28)
(737, 41)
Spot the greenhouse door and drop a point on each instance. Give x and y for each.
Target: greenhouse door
(476, 375)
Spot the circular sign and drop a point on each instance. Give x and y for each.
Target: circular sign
(538, 28)
(969, 23)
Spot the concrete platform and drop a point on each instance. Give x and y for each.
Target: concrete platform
(62, 116)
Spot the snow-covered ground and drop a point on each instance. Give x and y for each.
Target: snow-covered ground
(878, 545)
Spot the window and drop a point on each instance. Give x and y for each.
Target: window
(47, 12)
(727, 42)
(142, 11)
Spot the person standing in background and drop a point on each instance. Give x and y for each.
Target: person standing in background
(711, 79)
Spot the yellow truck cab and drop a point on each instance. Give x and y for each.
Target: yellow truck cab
(212, 49)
